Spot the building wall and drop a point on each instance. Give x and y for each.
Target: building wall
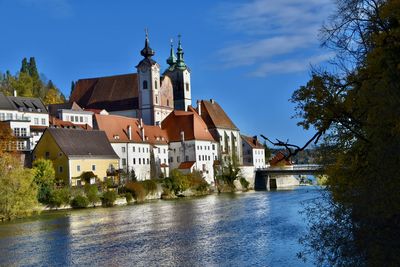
(225, 143)
(77, 117)
(132, 113)
(98, 166)
(258, 158)
(48, 149)
(202, 152)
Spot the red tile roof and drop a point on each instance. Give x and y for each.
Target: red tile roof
(189, 122)
(252, 141)
(57, 123)
(214, 116)
(155, 135)
(279, 159)
(113, 93)
(186, 165)
(116, 128)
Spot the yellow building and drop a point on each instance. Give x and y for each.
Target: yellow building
(75, 151)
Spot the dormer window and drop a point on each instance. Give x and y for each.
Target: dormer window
(145, 85)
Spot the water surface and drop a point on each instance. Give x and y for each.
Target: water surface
(248, 229)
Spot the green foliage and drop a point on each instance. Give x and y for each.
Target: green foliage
(86, 176)
(44, 177)
(178, 182)
(128, 197)
(79, 202)
(28, 83)
(230, 173)
(18, 190)
(92, 193)
(108, 198)
(245, 184)
(357, 112)
(150, 186)
(59, 197)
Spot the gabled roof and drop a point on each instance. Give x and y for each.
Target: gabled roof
(214, 116)
(186, 165)
(116, 128)
(279, 159)
(252, 142)
(24, 104)
(113, 93)
(188, 122)
(80, 143)
(54, 108)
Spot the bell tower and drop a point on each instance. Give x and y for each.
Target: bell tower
(149, 85)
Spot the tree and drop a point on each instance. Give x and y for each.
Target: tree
(24, 66)
(44, 177)
(18, 190)
(59, 196)
(356, 114)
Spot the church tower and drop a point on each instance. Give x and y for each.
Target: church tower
(149, 86)
(180, 76)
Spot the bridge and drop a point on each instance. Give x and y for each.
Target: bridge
(276, 177)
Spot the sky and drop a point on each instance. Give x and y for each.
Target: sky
(248, 55)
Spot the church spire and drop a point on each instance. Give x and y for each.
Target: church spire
(147, 52)
(172, 59)
(180, 63)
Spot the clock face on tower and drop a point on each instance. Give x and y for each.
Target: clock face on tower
(143, 68)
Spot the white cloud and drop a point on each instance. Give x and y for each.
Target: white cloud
(276, 29)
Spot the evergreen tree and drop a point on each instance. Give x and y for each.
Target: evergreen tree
(24, 66)
(33, 72)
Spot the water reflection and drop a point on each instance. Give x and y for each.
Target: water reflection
(259, 228)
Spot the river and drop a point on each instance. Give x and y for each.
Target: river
(242, 229)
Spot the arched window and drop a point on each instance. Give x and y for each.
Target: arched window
(168, 102)
(156, 100)
(155, 84)
(144, 84)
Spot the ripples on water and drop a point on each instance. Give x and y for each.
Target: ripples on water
(249, 229)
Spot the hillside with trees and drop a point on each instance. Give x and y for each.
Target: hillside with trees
(29, 83)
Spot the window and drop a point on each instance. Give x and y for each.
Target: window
(36, 121)
(60, 169)
(168, 102)
(187, 158)
(139, 149)
(158, 150)
(144, 161)
(156, 84)
(78, 168)
(81, 119)
(209, 158)
(76, 119)
(72, 118)
(43, 121)
(134, 161)
(123, 149)
(140, 161)
(171, 159)
(156, 100)
(23, 132)
(165, 161)
(16, 132)
(133, 149)
(93, 167)
(178, 159)
(2, 116)
(123, 162)
(213, 147)
(187, 87)
(47, 154)
(145, 84)
(148, 161)
(20, 145)
(199, 157)
(203, 157)
(165, 151)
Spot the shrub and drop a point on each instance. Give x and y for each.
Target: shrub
(150, 186)
(137, 190)
(128, 197)
(79, 202)
(44, 177)
(245, 184)
(176, 182)
(109, 198)
(59, 197)
(92, 193)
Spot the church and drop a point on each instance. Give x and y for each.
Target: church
(146, 94)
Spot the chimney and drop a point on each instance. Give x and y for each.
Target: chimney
(255, 140)
(182, 136)
(130, 132)
(199, 107)
(141, 122)
(142, 131)
(15, 93)
(212, 101)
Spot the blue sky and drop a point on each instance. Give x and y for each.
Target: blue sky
(249, 55)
